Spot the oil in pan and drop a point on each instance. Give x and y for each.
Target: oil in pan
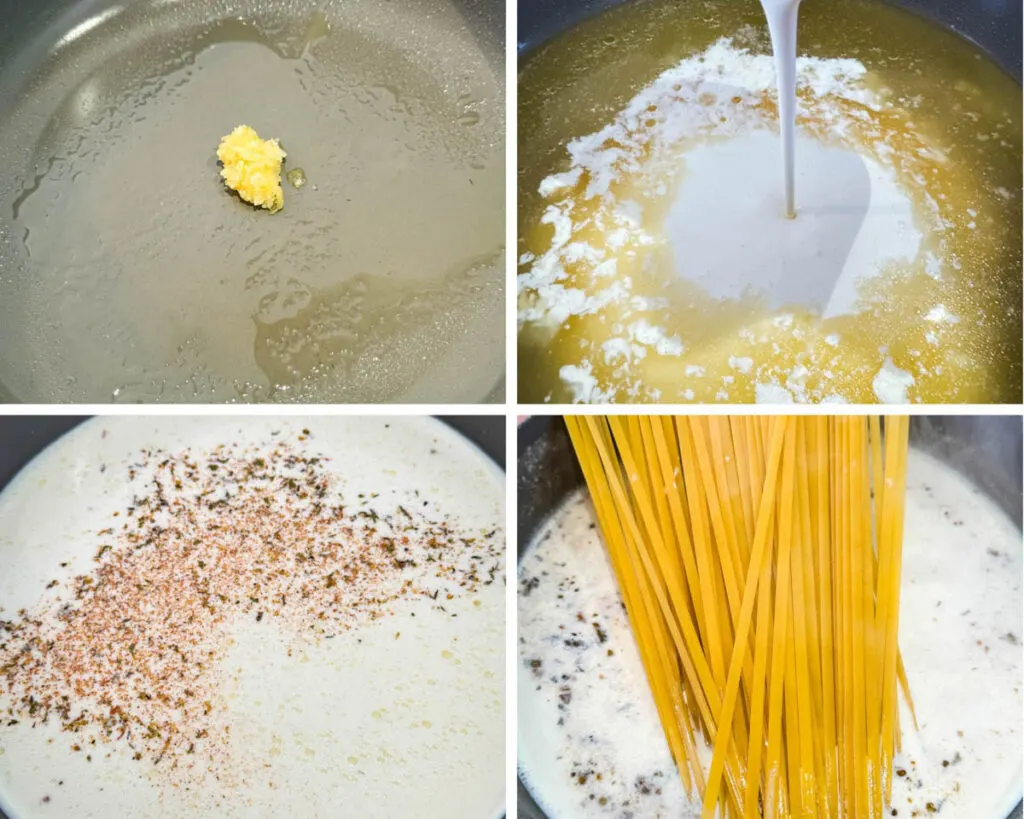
(130, 273)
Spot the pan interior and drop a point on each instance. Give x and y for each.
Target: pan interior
(588, 713)
(655, 264)
(129, 273)
(384, 716)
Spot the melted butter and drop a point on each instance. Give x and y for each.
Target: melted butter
(302, 333)
(948, 115)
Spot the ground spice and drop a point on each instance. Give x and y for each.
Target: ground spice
(127, 654)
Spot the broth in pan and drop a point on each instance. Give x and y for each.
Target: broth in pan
(655, 260)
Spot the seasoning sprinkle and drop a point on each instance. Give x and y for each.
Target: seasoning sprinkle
(127, 653)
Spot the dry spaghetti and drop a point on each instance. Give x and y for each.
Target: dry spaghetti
(759, 561)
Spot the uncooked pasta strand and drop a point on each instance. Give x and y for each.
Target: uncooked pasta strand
(759, 554)
(759, 561)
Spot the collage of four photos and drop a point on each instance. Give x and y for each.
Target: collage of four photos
(314, 312)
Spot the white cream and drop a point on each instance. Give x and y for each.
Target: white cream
(891, 383)
(853, 217)
(384, 726)
(782, 25)
(960, 632)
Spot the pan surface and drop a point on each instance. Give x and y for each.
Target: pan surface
(983, 451)
(129, 273)
(395, 708)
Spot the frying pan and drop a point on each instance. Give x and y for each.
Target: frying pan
(993, 26)
(129, 273)
(986, 450)
(24, 437)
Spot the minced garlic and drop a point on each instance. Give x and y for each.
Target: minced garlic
(252, 167)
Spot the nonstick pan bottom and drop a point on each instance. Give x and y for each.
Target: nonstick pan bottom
(132, 274)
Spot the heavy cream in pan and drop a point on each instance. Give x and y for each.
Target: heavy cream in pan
(253, 617)
(591, 744)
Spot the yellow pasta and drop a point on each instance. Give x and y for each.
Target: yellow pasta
(759, 561)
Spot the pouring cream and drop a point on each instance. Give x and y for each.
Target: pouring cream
(782, 19)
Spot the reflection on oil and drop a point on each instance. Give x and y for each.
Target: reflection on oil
(83, 28)
(301, 334)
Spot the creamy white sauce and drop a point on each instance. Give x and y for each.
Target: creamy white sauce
(585, 707)
(852, 212)
(366, 723)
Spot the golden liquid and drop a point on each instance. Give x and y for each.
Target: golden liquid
(959, 102)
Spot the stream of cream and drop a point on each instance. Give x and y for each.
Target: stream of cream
(782, 19)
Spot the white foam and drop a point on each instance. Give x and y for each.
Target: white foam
(583, 384)
(891, 383)
(616, 349)
(772, 394)
(744, 364)
(940, 315)
(557, 182)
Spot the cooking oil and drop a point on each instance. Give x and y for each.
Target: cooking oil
(130, 274)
